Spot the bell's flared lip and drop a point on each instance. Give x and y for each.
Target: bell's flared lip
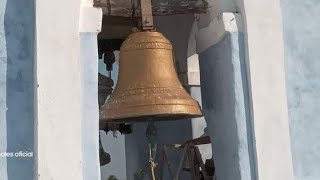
(151, 117)
(158, 117)
(151, 112)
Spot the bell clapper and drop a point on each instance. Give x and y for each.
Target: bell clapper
(104, 157)
(151, 134)
(109, 59)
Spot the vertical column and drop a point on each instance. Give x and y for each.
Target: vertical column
(225, 96)
(265, 60)
(59, 117)
(89, 105)
(90, 25)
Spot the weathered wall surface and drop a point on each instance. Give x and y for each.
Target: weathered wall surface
(67, 93)
(302, 55)
(59, 142)
(266, 78)
(225, 104)
(16, 88)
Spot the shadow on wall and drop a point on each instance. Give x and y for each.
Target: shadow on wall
(225, 101)
(19, 30)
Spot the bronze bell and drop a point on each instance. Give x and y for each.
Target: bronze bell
(148, 88)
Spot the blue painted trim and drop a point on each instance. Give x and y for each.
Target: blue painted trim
(17, 59)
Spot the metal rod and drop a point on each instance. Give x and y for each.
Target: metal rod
(146, 15)
(151, 134)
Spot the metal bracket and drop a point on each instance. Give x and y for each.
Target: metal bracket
(146, 15)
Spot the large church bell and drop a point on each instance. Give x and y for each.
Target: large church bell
(148, 88)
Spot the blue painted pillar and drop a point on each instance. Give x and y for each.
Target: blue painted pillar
(16, 88)
(225, 104)
(89, 105)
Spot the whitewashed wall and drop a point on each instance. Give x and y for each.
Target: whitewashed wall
(63, 79)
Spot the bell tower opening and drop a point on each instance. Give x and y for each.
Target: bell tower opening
(112, 142)
(124, 151)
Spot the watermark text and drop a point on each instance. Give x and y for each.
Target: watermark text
(19, 154)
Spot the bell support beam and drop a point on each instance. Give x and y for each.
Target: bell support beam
(159, 7)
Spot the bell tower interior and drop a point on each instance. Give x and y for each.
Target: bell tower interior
(127, 144)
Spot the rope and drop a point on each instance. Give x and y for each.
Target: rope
(153, 166)
(151, 134)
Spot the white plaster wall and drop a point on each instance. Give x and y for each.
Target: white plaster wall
(66, 87)
(58, 76)
(265, 61)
